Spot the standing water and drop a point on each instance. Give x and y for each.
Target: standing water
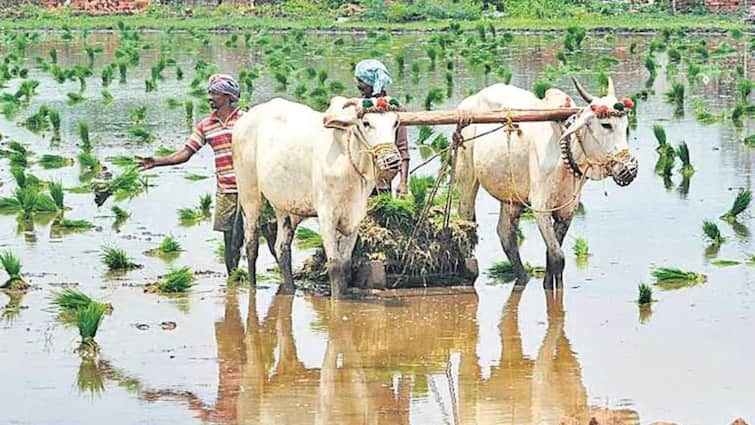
(494, 355)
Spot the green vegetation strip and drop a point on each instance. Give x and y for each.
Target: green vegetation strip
(230, 20)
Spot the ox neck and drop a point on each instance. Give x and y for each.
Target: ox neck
(358, 156)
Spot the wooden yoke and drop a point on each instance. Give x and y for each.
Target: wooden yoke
(485, 117)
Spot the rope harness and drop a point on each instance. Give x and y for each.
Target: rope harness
(384, 156)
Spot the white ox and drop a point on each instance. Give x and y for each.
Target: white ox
(543, 166)
(307, 164)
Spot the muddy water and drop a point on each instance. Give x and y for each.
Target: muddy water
(492, 356)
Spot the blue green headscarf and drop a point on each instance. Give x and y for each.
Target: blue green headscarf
(374, 73)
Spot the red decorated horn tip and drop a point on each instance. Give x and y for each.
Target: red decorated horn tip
(382, 102)
(628, 103)
(599, 109)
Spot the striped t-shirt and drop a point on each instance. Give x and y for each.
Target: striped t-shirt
(218, 134)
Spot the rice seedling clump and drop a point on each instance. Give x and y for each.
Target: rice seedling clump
(177, 281)
(117, 259)
(12, 266)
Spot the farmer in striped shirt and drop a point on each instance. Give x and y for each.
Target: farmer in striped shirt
(223, 92)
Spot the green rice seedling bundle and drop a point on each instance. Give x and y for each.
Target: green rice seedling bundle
(189, 112)
(205, 203)
(12, 266)
(141, 133)
(725, 263)
(127, 184)
(163, 151)
(434, 95)
(67, 225)
(307, 238)
(57, 194)
(86, 141)
(683, 153)
(37, 122)
(676, 94)
(741, 203)
(120, 213)
(189, 216)
(117, 259)
(177, 281)
(88, 321)
(238, 277)
(49, 161)
(107, 97)
(74, 98)
(702, 114)
(71, 300)
(89, 163)
(504, 271)
(581, 249)
(712, 233)
(169, 245)
(672, 274)
(645, 295)
(195, 177)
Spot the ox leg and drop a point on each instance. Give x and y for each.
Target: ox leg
(508, 222)
(286, 228)
(338, 249)
(251, 207)
(561, 224)
(554, 267)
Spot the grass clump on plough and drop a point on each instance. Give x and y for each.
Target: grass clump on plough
(393, 233)
(741, 203)
(307, 238)
(118, 260)
(12, 266)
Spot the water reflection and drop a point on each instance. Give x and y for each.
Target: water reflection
(414, 362)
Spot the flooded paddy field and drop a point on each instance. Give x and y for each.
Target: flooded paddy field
(495, 355)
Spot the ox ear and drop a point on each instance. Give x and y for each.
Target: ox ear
(340, 119)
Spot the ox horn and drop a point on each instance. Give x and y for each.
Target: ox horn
(611, 90)
(582, 92)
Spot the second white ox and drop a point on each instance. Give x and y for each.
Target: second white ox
(543, 166)
(307, 164)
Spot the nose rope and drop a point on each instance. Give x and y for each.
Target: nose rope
(381, 154)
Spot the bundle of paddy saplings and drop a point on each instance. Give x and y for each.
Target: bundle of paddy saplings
(76, 307)
(409, 237)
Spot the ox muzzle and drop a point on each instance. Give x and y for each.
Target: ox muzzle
(623, 168)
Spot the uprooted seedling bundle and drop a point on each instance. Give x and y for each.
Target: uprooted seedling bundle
(417, 251)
